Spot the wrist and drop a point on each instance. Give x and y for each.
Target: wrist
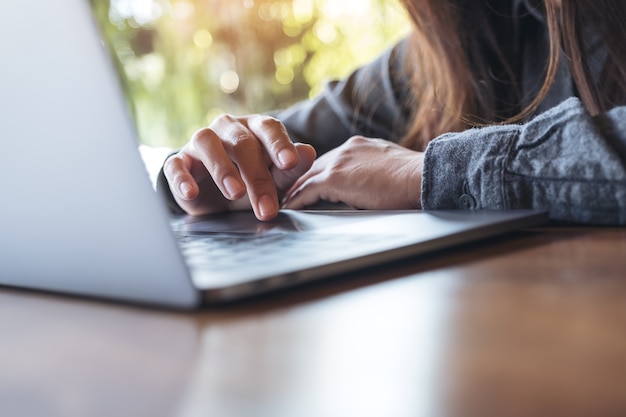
(414, 191)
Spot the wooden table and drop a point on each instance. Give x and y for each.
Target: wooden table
(530, 324)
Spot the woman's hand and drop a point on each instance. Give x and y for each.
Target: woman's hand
(233, 158)
(363, 173)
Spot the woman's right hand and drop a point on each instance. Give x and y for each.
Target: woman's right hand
(237, 161)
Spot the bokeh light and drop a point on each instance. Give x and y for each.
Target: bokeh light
(184, 62)
(229, 82)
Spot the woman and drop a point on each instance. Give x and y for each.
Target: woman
(494, 104)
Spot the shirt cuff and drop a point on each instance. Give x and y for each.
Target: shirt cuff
(465, 170)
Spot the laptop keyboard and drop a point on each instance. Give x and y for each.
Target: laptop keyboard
(218, 252)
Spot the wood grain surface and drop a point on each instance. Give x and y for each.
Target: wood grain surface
(529, 324)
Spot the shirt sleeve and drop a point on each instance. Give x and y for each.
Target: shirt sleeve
(373, 101)
(564, 160)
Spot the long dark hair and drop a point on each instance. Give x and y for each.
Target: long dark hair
(453, 87)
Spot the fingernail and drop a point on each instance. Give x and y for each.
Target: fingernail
(286, 157)
(185, 189)
(267, 207)
(233, 187)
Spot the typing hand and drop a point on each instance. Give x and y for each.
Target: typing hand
(363, 173)
(237, 161)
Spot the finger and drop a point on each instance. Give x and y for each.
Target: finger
(284, 179)
(306, 189)
(206, 146)
(246, 151)
(177, 170)
(308, 193)
(302, 180)
(274, 137)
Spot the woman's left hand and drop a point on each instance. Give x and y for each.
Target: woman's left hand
(363, 173)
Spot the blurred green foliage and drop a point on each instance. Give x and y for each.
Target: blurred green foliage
(184, 62)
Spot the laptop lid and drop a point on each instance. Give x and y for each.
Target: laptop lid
(78, 213)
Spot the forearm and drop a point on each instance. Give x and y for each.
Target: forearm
(563, 160)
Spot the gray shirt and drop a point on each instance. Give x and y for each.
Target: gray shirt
(562, 159)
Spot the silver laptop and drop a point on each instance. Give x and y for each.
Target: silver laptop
(79, 214)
